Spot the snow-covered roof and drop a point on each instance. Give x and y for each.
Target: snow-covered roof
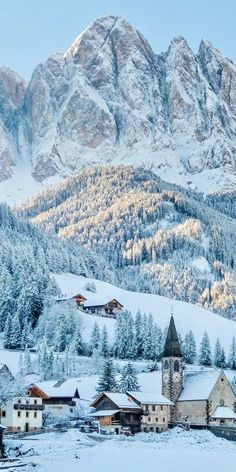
(104, 413)
(198, 386)
(122, 400)
(98, 300)
(149, 398)
(223, 412)
(54, 388)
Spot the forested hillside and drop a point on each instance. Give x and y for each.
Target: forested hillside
(27, 255)
(156, 237)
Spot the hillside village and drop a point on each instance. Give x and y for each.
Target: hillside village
(202, 400)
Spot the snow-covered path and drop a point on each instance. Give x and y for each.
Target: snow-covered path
(176, 450)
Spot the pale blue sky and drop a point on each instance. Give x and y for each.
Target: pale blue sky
(31, 30)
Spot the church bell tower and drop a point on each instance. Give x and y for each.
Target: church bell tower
(172, 365)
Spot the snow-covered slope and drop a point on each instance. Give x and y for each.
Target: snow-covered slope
(110, 98)
(155, 237)
(187, 316)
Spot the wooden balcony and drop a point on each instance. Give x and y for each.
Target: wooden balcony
(28, 407)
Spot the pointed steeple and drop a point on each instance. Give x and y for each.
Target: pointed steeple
(172, 346)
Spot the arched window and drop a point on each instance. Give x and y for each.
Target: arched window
(176, 366)
(166, 364)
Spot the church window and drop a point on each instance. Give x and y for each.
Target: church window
(221, 402)
(176, 366)
(166, 364)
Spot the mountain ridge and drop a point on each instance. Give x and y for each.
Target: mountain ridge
(110, 99)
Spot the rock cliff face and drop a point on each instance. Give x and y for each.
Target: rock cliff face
(110, 98)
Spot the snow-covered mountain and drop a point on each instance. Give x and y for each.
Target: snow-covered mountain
(156, 237)
(111, 99)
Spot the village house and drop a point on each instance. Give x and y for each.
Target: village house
(60, 397)
(155, 411)
(116, 411)
(102, 306)
(79, 299)
(197, 399)
(18, 413)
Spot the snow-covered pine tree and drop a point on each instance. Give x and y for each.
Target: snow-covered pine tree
(7, 332)
(217, 353)
(27, 363)
(232, 355)
(107, 380)
(189, 347)
(205, 351)
(138, 334)
(104, 343)
(129, 380)
(95, 338)
(222, 359)
(60, 335)
(78, 343)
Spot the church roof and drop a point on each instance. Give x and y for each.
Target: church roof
(172, 346)
(223, 412)
(198, 385)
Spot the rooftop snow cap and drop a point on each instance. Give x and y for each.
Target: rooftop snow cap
(172, 346)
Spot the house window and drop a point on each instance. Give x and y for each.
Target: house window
(149, 419)
(35, 402)
(71, 410)
(18, 414)
(153, 407)
(164, 420)
(27, 402)
(19, 400)
(176, 366)
(145, 430)
(35, 414)
(27, 414)
(146, 407)
(156, 419)
(161, 408)
(3, 414)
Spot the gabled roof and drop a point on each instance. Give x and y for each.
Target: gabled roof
(60, 389)
(121, 400)
(172, 346)
(104, 413)
(198, 386)
(150, 398)
(223, 412)
(98, 300)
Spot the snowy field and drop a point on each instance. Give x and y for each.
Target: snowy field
(176, 450)
(187, 316)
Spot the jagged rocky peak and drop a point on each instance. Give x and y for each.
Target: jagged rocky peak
(12, 85)
(107, 36)
(110, 98)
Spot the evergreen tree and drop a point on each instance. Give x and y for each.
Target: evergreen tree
(138, 334)
(232, 355)
(27, 363)
(60, 335)
(107, 380)
(205, 351)
(217, 353)
(189, 347)
(104, 343)
(129, 381)
(79, 347)
(7, 332)
(222, 359)
(95, 338)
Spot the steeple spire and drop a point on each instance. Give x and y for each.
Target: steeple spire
(172, 346)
